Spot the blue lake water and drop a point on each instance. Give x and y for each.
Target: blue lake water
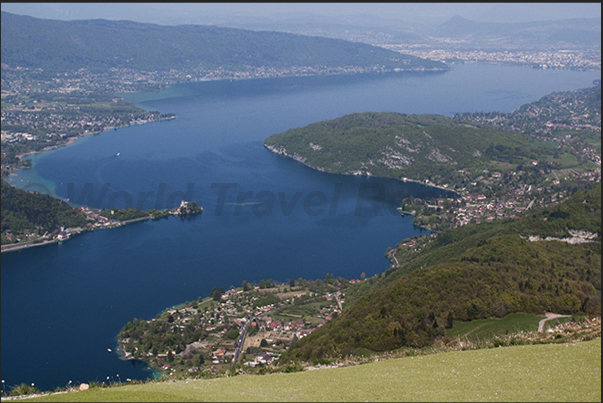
(265, 217)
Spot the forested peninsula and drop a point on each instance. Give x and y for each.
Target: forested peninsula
(31, 218)
(498, 164)
(431, 146)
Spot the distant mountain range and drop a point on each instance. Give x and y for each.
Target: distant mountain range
(98, 45)
(579, 31)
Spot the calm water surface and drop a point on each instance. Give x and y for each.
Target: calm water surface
(266, 217)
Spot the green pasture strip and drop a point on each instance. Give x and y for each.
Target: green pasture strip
(487, 328)
(547, 372)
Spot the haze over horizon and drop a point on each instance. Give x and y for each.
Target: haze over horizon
(241, 14)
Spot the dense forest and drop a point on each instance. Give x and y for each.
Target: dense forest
(59, 46)
(473, 272)
(26, 212)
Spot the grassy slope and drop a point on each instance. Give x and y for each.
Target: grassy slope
(487, 328)
(549, 372)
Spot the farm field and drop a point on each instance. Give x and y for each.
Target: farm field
(543, 372)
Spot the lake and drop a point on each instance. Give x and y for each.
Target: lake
(265, 216)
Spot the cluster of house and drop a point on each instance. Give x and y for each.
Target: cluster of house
(478, 207)
(13, 137)
(273, 325)
(274, 334)
(9, 234)
(264, 358)
(98, 221)
(572, 59)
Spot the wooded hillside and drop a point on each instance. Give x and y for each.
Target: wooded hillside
(473, 272)
(26, 212)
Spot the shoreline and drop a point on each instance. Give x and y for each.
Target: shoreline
(71, 140)
(403, 180)
(274, 150)
(14, 247)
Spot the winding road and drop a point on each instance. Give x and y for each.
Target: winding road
(392, 255)
(550, 316)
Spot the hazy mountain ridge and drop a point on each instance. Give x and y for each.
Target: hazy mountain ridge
(579, 31)
(101, 44)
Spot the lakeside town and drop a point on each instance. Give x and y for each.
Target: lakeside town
(471, 206)
(36, 117)
(246, 327)
(575, 59)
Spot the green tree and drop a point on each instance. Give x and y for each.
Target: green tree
(216, 294)
(449, 320)
(199, 360)
(232, 334)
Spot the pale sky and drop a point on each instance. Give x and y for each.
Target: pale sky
(220, 13)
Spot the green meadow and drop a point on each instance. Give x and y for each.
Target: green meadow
(487, 328)
(542, 372)
(484, 329)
